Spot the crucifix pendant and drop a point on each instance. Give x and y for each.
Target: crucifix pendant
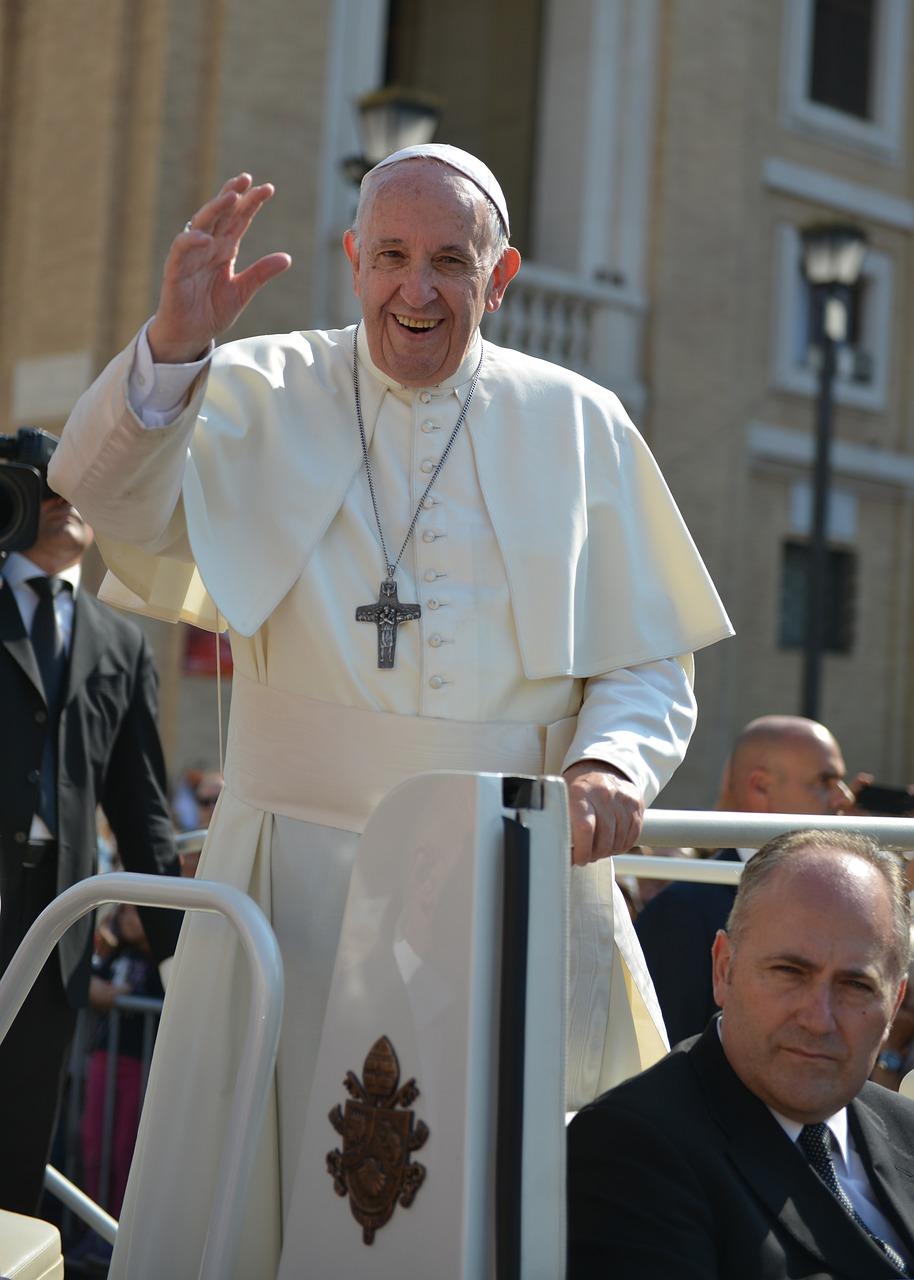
(388, 613)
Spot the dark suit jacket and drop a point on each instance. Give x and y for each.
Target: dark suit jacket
(676, 930)
(109, 754)
(683, 1172)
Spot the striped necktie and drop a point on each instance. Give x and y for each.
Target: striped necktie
(815, 1143)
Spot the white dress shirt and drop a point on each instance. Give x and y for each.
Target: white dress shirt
(850, 1173)
(17, 570)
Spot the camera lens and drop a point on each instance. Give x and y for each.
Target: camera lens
(19, 506)
(10, 508)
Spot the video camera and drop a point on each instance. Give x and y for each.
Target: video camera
(24, 460)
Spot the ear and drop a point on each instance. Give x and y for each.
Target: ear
(724, 799)
(506, 268)
(758, 789)
(721, 955)
(351, 248)
(899, 1000)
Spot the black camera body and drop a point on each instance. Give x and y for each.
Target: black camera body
(24, 460)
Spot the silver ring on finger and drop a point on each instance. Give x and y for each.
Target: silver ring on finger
(187, 226)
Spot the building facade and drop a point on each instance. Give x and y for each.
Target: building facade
(660, 157)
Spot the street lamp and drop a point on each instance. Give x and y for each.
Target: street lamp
(832, 258)
(388, 119)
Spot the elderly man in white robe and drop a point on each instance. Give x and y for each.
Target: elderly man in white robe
(430, 553)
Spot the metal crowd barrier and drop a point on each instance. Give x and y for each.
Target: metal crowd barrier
(68, 1146)
(260, 1042)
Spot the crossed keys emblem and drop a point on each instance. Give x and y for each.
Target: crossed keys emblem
(374, 1167)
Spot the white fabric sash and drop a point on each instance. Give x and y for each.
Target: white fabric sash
(331, 765)
(328, 764)
(270, 434)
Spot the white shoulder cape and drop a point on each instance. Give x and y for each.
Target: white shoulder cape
(602, 570)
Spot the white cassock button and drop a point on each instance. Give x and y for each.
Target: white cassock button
(436, 682)
(428, 426)
(432, 604)
(425, 396)
(428, 465)
(431, 574)
(429, 503)
(431, 535)
(435, 641)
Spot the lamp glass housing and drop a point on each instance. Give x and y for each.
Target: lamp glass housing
(833, 254)
(394, 118)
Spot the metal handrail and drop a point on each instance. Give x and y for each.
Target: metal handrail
(693, 828)
(190, 841)
(264, 1017)
(702, 870)
(713, 830)
(76, 1200)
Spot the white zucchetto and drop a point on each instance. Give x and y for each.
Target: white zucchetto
(463, 162)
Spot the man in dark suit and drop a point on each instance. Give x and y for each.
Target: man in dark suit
(759, 1150)
(79, 697)
(780, 764)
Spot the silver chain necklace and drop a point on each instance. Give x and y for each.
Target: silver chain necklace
(387, 612)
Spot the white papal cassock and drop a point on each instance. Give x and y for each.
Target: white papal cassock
(558, 584)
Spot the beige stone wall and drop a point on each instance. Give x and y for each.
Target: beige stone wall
(709, 360)
(116, 120)
(706, 340)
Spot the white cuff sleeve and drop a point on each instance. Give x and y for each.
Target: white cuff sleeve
(159, 392)
(640, 720)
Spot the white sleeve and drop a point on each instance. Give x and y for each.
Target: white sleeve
(124, 478)
(639, 719)
(158, 393)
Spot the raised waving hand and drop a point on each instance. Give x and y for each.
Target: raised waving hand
(201, 294)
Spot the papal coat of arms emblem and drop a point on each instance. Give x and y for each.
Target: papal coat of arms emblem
(374, 1167)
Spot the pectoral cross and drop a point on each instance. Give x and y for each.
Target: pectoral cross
(388, 613)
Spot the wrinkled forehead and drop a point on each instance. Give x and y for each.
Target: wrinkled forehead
(422, 195)
(824, 891)
(462, 162)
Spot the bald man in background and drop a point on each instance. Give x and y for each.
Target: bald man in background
(780, 764)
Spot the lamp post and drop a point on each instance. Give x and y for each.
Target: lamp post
(832, 259)
(388, 119)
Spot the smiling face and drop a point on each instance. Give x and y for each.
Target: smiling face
(422, 267)
(810, 991)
